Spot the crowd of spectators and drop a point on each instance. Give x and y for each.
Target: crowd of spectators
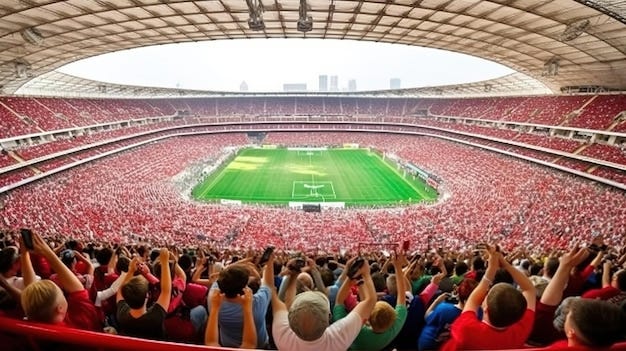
(126, 253)
(369, 299)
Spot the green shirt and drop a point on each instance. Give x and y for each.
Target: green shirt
(367, 339)
(418, 285)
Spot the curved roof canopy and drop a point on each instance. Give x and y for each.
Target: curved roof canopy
(562, 43)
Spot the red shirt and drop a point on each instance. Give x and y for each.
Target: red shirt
(602, 294)
(543, 328)
(81, 312)
(195, 295)
(469, 333)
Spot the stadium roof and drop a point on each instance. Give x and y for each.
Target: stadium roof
(562, 43)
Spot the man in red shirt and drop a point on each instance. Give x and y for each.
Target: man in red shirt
(44, 302)
(613, 287)
(508, 314)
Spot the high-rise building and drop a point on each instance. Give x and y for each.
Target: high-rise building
(352, 85)
(334, 83)
(243, 86)
(294, 87)
(394, 83)
(323, 80)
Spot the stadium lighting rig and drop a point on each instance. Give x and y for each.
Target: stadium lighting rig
(574, 30)
(305, 22)
(255, 9)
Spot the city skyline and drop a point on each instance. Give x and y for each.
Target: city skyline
(267, 64)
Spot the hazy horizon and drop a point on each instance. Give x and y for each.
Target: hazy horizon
(266, 64)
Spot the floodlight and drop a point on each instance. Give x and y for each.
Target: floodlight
(32, 36)
(574, 30)
(305, 23)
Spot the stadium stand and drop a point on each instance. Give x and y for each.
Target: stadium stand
(600, 113)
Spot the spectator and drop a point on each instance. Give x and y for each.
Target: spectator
(302, 321)
(507, 314)
(133, 316)
(43, 301)
(385, 322)
(231, 282)
(592, 325)
(249, 330)
(613, 286)
(441, 314)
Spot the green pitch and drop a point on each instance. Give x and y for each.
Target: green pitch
(278, 176)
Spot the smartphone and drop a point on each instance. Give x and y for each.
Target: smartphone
(266, 255)
(355, 267)
(27, 237)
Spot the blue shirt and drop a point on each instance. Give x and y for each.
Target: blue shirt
(231, 319)
(437, 322)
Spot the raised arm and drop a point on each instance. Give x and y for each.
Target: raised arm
(166, 280)
(132, 268)
(26, 266)
(268, 272)
(368, 292)
(211, 333)
(317, 276)
(68, 281)
(478, 295)
(197, 273)
(553, 293)
(400, 280)
(249, 337)
(80, 257)
(606, 274)
(527, 287)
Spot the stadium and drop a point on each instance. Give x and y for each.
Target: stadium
(422, 180)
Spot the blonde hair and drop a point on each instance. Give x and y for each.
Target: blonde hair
(39, 301)
(383, 316)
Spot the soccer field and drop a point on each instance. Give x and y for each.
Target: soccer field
(278, 176)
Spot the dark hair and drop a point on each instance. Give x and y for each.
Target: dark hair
(460, 268)
(185, 262)
(327, 276)
(72, 244)
(141, 250)
(332, 266)
(465, 288)
(502, 276)
(379, 282)
(600, 323)
(321, 261)
(505, 305)
(478, 263)
(552, 264)
(122, 264)
(157, 269)
(449, 267)
(135, 291)
(535, 268)
(154, 254)
(232, 280)
(104, 256)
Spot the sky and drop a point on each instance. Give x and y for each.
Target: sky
(266, 64)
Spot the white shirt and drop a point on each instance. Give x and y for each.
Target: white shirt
(337, 337)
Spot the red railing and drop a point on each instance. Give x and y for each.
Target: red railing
(17, 334)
